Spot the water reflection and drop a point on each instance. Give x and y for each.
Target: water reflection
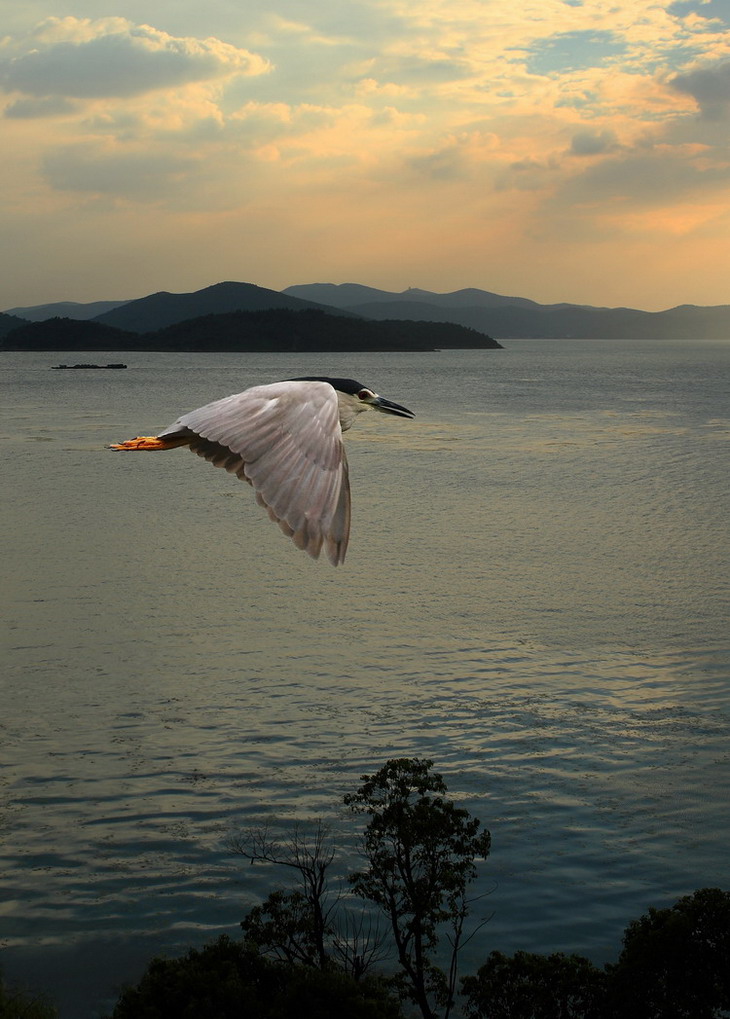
(534, 597)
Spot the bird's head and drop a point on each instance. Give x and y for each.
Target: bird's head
(354, 397)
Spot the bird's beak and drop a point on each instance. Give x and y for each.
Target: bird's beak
(380, 403)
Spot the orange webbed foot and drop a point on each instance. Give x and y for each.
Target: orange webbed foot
(146, 442)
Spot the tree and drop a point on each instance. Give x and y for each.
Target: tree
(16, 1004)
(293, 925)
(529, 986)
(675, 963)
(228, 980)
(420, 851)
(307, 925)
(283, 927)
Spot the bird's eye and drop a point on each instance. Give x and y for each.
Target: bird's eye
(365, 394)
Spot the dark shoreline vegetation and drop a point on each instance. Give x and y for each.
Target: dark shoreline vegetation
(318, 950)
(280, 329)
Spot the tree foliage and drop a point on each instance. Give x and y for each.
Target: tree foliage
(276, 329)
(293, 925)
(420, 853)
(529, 986)
(675, 962)
(307, 953)
(674, 965)
(311, 925)
(17, 1004)
(229, 980)
(284, 927)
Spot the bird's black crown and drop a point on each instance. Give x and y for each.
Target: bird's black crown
(341, 385)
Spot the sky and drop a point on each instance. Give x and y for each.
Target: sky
(561, 150)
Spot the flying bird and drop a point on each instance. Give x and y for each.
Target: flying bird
(285, 440)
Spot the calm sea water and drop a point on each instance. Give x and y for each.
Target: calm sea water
(535, 597)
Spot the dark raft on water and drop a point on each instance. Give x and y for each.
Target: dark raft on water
(69, 367)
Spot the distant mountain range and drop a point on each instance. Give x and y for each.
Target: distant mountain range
(465, 318)
(518, 317)
(64, 309)
(231, 317)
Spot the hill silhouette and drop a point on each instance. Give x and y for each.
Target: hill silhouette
(312, 329)
(8, 323)
(67, 334)
(273, 330)
(517, 317)
(486, 312)
(149, 314)
(349, 295)
(64, 309)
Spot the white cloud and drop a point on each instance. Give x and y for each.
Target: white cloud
(473, 118)
(112, 57)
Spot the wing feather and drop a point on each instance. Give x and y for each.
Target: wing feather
(285, 440)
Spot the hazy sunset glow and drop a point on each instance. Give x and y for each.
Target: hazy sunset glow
(556, 149)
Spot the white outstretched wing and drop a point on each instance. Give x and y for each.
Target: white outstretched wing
(285, 440)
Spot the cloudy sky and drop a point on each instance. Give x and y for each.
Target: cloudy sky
(555, 149)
